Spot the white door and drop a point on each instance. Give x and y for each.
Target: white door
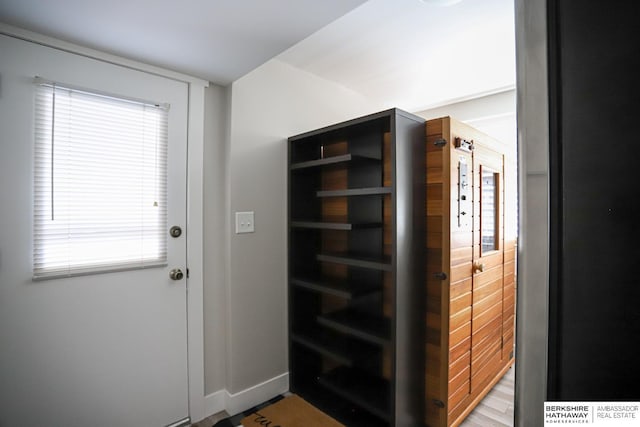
(94, 350)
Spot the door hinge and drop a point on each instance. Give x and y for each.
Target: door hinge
(440, 142)
(439, 403)
(501, 339)
(440, 275)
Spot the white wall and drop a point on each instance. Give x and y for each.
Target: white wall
(216, 152)
(268, 105)
(494, 115)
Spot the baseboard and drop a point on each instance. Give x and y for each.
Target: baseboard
(214, 403)
(252, 396)
(235, 403)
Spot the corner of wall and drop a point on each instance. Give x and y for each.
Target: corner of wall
(216, 152)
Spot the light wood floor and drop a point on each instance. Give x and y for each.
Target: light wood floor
(495, 410)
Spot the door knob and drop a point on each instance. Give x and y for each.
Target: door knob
(176, 274)
(478, 267)
(175, 231)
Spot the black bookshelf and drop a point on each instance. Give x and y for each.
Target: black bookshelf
(334, 225)
(356, 233)
(357, 260)
(373, 191)
(361, 325)
(349, 352)
(340, 288)
(366, 391)
(333, 160)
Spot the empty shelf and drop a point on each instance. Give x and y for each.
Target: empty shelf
(332, 161)
(333, 225)
(374, 329)
(369, 392)
(356, 260)
(369, 191)
(340, 288)
(339, 348)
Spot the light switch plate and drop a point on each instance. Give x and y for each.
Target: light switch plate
(244, 222)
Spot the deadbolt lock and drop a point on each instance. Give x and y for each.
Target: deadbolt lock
(176, 274)
(175, 231)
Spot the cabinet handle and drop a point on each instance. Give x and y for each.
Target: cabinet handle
(478, 267)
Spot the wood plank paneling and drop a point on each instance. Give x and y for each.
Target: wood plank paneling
(435, 130)
(460, 255)
(334, 209)
(486, 338)
(434, 225)
(481, 318)
(459, 365)
(435, 207)
(489, 276)
(458, 381)
(460, 393)
(460, 303)
(460, 272)
(437, 227)
(477, 309)
(435, 162)
(486, 360)
(481, 292)
(487, 372)
(460, 349)
(509, 268)
(461, 287)
(483, 304)
(482, 338)
(457, 411)
(492, 260)
(463, 330)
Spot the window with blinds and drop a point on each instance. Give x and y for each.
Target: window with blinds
(100, 183)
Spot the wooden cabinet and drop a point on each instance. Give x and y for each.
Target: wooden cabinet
(470, 274)
(356, 272)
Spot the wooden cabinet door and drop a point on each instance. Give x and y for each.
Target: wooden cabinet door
(470, 269)
(459, 296)
(487, 267)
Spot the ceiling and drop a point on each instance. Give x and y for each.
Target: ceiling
(217, 40)
(405, 53)
(413, 54)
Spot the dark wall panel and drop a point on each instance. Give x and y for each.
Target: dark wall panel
(595, 225)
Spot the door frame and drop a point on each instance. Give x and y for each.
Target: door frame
(195, 202)
(533, 188)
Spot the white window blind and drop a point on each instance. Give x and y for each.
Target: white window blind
(100, 183)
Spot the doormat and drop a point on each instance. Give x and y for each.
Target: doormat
(234, 421)
(292, 411)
